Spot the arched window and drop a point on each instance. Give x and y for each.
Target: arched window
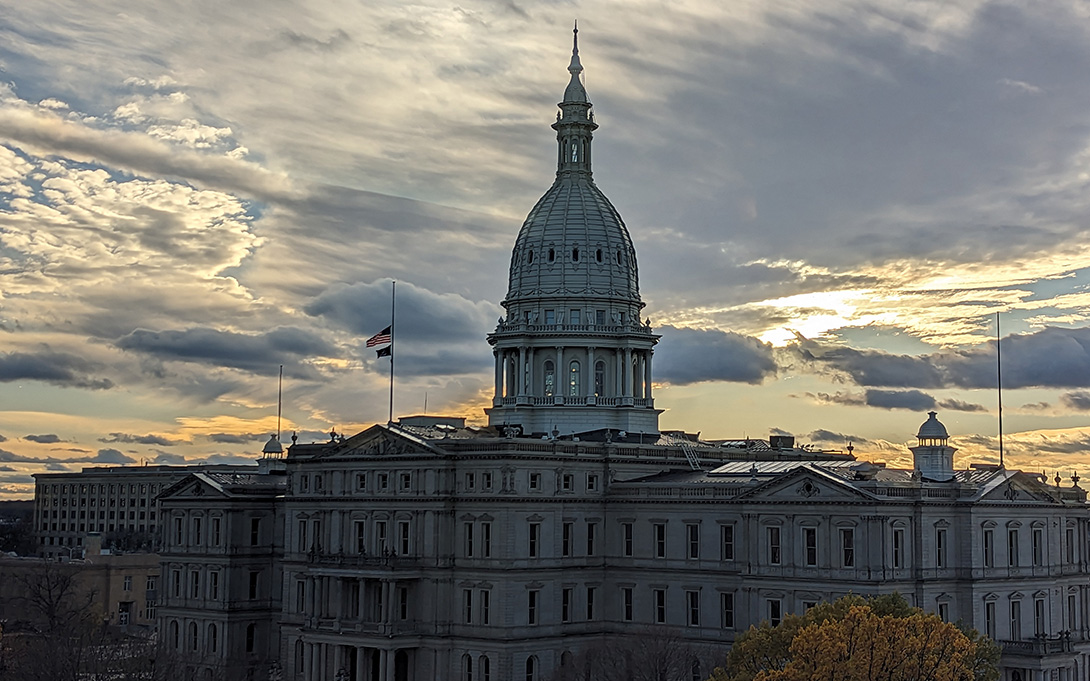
(531, 668)
(573, 378)
(575, 152)
(251, 637)
(484, 668)
(194, 640)
(213, 638)
(599, 378)
(467, 667)
(174, 634)
(550, 378)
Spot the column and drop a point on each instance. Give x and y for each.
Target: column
(618, 373)
(529, 371)
(647, 374)
(590, 372)
(522, 370)
(560, 379)
(361, 661)
(498, 357)
(308, 661)
(627, 372)
(336, 540)
(384, 665)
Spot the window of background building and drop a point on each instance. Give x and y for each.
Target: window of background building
(626, 603)
(533, 539)
(592, 593)
(940, 547)
(847, 547)
(775, 611)
(659, 531)
(726, 542)
(989, 548)
(692, 535)
(692, 602)
(809, 539)
(1012, 547)
(626, 538)
(726, 610)
(774, 546)
(898, 547)
(565, 604)
(531, 606)
(592, 538)
(659, 600)
(566, 532)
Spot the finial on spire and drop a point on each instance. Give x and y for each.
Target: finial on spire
(575, 67)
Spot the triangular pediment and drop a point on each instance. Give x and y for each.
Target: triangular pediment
(382, 441)
(1019, 488)
(806, 484)
(193, 486)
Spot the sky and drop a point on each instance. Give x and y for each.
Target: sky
(831, 201)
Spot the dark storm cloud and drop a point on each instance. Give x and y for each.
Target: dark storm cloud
(1052, 357)
(127, 438)
(260, 354)
(57, 368)
(1078, 400)
(46, 439)
(693, 355)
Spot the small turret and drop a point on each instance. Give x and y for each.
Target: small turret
(932, 457)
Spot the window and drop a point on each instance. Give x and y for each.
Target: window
(127, 583)
(573, 314)
(692, 601)
(361, 537)
(361, 482)
(550, 378)
(565, 604)
(567, 482)
(989, 619)
(406, 482)
(531, 668)
(197, 534)
(124, 612)
(301, 595)
(213, 638)
(216, 535)
(535, 481)
(251, 637)
(214, 585)
(194, 639)
(898, 547)
(1016, 620)
(944, 612)
(179, 536)
(599, 378)
(592, 482)
(486, 483)
(468, 534)
(303, 535)
(467, 606)
(626, 538)
(149, 609)
(726, 610)
(774, 546)
(194, 584)
(573, 378)
(150, 583)
(592, 592)
(566, 531)
(254, 577)
(471, 481)
(318, 482)
(486, 603)
(660, 539)
(989, 551)
(383, 481)
(1072, 613)
(486, 540)
(847, 547)
(592, 536)
(404, 538)
(659, 598)
(255, 531)
(1039, 616)
(550, 315)
(809, 538)
(775, 611)
(940, 547)
(626, 601)
(534, 539)
(692, 535)
(380, 536)
(467, 667)
(304, 483)
(176, 583)
(1038, 546)
(726, 542)
(403, 603)
(484, 666)
(1070, 545)
(531, 606)
(600, 315)
(174, 633)
(1012, 547)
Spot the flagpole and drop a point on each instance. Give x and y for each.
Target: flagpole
(393, 310)
(999, 385)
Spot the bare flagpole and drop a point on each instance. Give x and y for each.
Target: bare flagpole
(999, 384)
(393, 309)
(279, 401)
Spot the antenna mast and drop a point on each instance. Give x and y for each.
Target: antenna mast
(999, 384)
(279, 401)
(393, 310)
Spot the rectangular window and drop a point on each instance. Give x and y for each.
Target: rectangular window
(1072, 614)
(809, 538)
(1016, 620)
(775, 611)
(380, 536)
(989, 619)
(592, 592)
(126, 583)
(1012, 548)
(150, 584)
(486, 540)
(660, 540)
(774, 546)
(404, 539)
(467, 606)
(1070, 545)
(592, 536)
(531, 606)
(626, 538)
(847, 547)
(535, 481)
(471, 481)
(600, 317)
(940, 548)
(179, 537)
(592, 482)
(944, 612)
(726, 610)
(361, 537)
(198, 534)
(550, 316)
(567, 482)
(361, 482)
(254, 577)
(692, 534)
(303, 536)
(176, 583)
(626, 600)
(406, 482)
(486, 481)
(692, 601)
(486, 605)
(194, 584)
(726, 542)
(214, 585)
(1039, 617)
(216, 534)
(534, 539)
(1038, 546)
(573, 316)
(383, 481)
(301, 595)
(403, 603)
(255, 531)
(898, 547)
(467, 533)
(566, 532)
(989, 548)
(659, 597)
(565, 604)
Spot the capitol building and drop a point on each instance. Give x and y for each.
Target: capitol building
(428, 550)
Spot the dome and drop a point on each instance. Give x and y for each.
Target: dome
(574, 243)
(932, 428)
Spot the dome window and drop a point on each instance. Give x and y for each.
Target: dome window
(550, 378)
(575, 255)
(598, 255)
(573, 378)
(552, 255)
(618, 257)
(530, 258)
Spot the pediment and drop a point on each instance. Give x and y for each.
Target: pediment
(382, 441)
(806, 484)
(1019, 489)
(193, 486)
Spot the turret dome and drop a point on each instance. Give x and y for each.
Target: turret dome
(932, 429)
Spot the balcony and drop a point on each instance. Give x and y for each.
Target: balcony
(391, 561)
(574, 401)
(1040, 646)
(612, 329)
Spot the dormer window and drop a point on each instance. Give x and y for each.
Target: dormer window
(552, 255)
(598, 255)
(618, 257)
(575, 255)
(530, 258)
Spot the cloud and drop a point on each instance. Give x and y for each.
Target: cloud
(169, 458)
(7, 469)
(127, 438)
(3, 439)
(913, 400)
(46, 439)
(959, 405)
(57, 368)
(235, 439)
(1078, 400)
(687, 356)
(260, 354)
(822, 435)
(112, 456)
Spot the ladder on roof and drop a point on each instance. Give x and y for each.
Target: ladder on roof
(690, 453)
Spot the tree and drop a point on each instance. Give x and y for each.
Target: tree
(855, 638)
(646, 654)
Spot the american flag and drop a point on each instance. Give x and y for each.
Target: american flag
(380, 338)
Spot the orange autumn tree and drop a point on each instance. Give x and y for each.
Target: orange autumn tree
(856, 639)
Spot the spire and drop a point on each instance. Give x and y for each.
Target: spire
(575, 122)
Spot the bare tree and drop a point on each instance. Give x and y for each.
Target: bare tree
(646, 654)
